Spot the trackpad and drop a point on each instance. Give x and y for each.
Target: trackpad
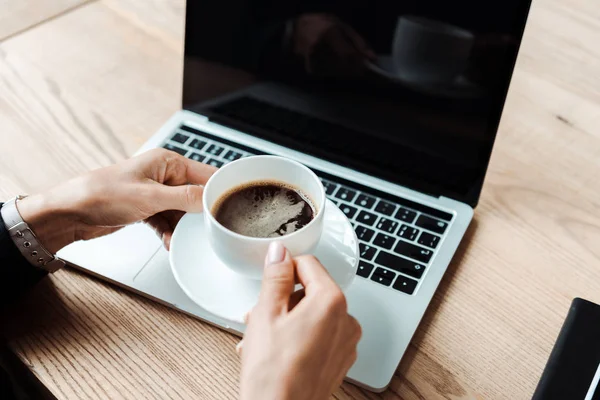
(118, 256)
(157, 281)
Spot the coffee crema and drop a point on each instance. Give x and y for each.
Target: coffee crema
(264, 209)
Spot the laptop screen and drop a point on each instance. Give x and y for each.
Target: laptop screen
(408, 91)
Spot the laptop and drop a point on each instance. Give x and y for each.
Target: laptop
(401, 137)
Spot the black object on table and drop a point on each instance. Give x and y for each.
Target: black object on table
(573, 368)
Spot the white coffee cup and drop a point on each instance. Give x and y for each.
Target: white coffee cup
(244, 254)
(428, 51)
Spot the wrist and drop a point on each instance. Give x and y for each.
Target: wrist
(53, 224)
(269, 384)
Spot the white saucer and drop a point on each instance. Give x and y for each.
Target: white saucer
(461, 87)
(217, 289)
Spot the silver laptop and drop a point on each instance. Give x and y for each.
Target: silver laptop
(395, 107)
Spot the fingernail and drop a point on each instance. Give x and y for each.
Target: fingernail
(276, 253)
(238, 347)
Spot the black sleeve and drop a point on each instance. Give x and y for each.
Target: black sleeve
(16, 273)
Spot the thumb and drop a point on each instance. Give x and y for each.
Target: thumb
(278, 280)
(187, 198)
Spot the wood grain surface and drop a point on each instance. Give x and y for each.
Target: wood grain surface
(19, 16)
(86, 87)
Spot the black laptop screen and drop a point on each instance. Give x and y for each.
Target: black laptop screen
(409, 91)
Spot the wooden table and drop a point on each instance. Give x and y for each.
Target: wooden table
(83, 83)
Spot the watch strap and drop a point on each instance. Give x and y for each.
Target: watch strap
(26, 241)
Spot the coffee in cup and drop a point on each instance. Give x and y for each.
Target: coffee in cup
(283, 190)
(264, 209)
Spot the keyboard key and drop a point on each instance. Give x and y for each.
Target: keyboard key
(197, 157)
(198, 144)
(329, 187)
(406, 215)
(365, 201)
(405, 285)
(429, 240)
(215, 163)
(400, 264)
(232, 155)
(416, 252)
(431, 224)
(386, 273)
(214, 149)
(348, 210)
(385, 241)
(381, 279)
(345, 194)
(364, 269)
(364, 233)
(176, 149)
(408, 232)
(180, 138)
(367, 252)
(367, 218)
(385, 208)
(387, 225)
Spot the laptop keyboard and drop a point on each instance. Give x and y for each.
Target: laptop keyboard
(397, 238)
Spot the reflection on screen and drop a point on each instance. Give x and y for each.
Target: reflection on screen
(407, 90)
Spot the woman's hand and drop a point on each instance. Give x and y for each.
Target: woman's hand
(152, 187)
(329, 47)
(297, 345)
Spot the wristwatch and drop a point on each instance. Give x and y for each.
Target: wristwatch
(26, 241)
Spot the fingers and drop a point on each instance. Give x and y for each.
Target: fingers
(324, 299)
(240, 346)
(170, 168)
(312, 275)
(197, 173)
(278, 280)
(359, 43)
(173, 217)
(346, 351)
(178, 178)
(186, 198)
(353, 333)
(295, 298)
(246, 318)
(162, 228)
(164, 224)
(354, 329)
